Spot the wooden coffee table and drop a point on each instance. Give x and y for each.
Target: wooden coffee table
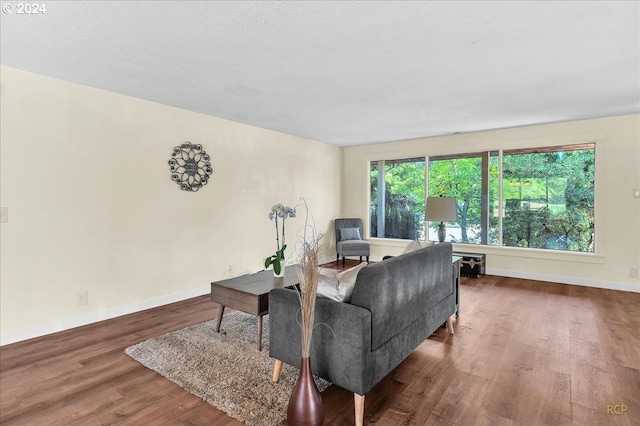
(250, 293)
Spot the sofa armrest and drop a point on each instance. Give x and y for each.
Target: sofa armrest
(341, 345)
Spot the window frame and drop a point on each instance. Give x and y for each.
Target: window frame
(482, 144)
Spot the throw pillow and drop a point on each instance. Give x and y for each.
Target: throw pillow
(328, 272)
(338, 286)
(328, 288)
(349, 234)
(413, 246)
(347, 280)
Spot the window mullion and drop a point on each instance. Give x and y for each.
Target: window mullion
(382, 188)
(484, 199)
(500, 203)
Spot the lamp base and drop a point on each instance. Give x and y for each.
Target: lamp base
(442, 232)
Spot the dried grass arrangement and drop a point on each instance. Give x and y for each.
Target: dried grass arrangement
(308, 276)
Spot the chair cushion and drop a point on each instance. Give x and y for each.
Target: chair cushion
(350, 234)
(338, 286)
(353, 248)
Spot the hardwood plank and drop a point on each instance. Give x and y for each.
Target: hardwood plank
(448, 408)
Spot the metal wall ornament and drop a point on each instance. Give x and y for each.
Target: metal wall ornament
(190, 166)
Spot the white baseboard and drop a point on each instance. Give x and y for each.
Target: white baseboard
(565, 280)
(54, 327)
(90, 318)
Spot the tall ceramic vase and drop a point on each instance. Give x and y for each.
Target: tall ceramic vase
(305, 405)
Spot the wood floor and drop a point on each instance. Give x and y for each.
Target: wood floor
(524, 353)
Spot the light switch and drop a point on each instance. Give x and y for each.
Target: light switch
(636, 193)
(4, 214)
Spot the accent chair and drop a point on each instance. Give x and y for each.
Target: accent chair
(349, 240)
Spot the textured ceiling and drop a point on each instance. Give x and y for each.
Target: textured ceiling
(345, 73)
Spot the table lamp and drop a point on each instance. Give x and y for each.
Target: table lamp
(442, 209)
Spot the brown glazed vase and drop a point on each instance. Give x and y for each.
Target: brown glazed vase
(305, 405)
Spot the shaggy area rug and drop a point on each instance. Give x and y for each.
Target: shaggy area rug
(225, 369)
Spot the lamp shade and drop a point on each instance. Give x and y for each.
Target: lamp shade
(441, 209)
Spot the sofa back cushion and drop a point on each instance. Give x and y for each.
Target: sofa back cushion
(401, 289)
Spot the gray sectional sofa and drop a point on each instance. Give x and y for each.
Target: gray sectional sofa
(396, 304)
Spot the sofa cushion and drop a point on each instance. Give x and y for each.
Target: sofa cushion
(349, 234)
(338, 286)
(410, 284)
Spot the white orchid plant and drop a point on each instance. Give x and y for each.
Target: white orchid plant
(279, 213)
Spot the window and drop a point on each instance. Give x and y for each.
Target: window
(397, 194)
(472, 179)
(537, 198)
(548, 198)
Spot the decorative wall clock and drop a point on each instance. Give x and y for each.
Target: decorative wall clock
(190, 166)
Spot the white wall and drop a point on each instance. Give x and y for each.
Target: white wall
(617, 212)
(85, 177)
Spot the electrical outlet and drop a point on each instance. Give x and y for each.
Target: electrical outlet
(4, 214)
(83, 298)
(633, 272)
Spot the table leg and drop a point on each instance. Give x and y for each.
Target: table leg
(220, 312)
(259, 333)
